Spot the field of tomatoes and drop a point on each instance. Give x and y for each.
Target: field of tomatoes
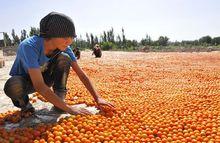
(159, 97)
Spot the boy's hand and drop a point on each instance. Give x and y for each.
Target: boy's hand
(81, 111)
(102, 103)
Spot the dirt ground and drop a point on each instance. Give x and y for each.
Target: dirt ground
(4, 75)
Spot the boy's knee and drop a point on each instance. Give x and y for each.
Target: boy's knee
(64, 56)
(64, 60)
(15, 87)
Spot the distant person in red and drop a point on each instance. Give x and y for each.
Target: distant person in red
(77, 53)
(97, 51)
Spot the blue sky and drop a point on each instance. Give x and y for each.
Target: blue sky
(176, 19)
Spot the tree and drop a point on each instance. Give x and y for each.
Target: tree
(163, 41)
(96, 40)
(205, 39)
(92, 40)
(216, 41)
(131, 44)
(88, 40)
(23, 34)
(134, 43)
(118, 41)
(7, 39)
(15, 37)
(118, 38)
(123, 38)
(196, 42)
(123, 35)
(104, 37)
(111, 36)
(176, 43)
(146, 41)
(108, 45)
(108, 37)
(34, 31)
(79, 43)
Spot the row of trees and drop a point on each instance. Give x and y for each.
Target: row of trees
(16, 39)
(109, 41)
(205, 41)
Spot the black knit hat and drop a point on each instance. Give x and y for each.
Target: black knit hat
(57, 25)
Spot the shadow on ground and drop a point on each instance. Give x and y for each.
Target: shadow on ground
(44, 113)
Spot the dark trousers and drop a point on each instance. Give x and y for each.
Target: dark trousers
(55, 75)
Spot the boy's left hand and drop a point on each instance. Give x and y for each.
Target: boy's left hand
(101, 102)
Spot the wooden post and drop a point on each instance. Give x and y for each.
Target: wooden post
(2, 62)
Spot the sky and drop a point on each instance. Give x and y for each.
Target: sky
(177, 19)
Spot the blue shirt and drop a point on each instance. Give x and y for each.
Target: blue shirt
(30, 54)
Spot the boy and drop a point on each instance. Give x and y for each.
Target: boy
(44, 61)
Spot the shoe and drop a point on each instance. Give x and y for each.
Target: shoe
(28, 108)
(61, 95)
(58, 110)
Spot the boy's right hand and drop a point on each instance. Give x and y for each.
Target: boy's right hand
(77, 110)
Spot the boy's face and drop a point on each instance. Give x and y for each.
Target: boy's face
(62, 43)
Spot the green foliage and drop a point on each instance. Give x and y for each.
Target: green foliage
(205, 40)
(108, 46)
(80, 43)
(146, 41)
(23, 34)
(15, 37)
(34, 31)
(216, 41)
(110, 36)
(163, 41)
(92, 41)
(109, 41)
(104, 37)
(96, 40)
(7, 39)
(131, 44)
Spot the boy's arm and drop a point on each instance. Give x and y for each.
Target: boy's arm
(85, 80)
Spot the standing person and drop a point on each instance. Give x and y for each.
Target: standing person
(44, 61)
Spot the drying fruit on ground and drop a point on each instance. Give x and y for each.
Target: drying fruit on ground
(159, 97)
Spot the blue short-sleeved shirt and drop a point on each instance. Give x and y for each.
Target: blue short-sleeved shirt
(30, 54)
